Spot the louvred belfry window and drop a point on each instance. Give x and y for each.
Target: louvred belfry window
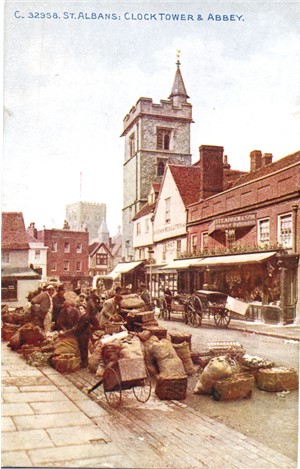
(163, 141)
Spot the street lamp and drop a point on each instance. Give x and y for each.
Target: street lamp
(150, 252)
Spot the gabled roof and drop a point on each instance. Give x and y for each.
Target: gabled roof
(187, 180)
(94, 248)
(14, 235)
(145, 210)
(268, 169)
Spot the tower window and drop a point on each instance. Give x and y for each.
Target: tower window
(160, 168)
(163, 141)
(132, 145)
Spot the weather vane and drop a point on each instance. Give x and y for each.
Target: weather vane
(178, 56)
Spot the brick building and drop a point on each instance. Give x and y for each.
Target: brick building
(154, 135)
(68, 254)
(246, 233)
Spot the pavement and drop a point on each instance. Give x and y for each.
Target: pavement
(288, 332)
(49, 420)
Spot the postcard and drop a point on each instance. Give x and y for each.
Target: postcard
(177, 122)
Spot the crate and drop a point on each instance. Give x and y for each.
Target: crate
(171, 388)
(145, 316)
(219, 348)
(129, 372)
(159, 332)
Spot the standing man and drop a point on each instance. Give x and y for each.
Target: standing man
(110, 308)
(43, 306)
(145, 295)
(58, 303)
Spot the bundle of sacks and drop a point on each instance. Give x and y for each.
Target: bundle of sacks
(169, 363)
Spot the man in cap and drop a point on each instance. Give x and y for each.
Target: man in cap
(42, 306)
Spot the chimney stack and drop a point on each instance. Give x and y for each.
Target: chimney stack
(255, 160)
(266, 159)
(211, 164)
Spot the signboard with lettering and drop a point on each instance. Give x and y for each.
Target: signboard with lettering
(236, 221)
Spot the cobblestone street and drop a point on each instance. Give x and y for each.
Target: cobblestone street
(49, 420)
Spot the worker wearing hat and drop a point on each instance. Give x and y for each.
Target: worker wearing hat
(43, 306)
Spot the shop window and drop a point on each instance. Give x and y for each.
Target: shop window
(9, 291)
(163, 139)
(66, 266)
(79, 248)
(5, 257)
(285, 230)
(168, 210)
(132, 145)
(230, 237)
(264, 231)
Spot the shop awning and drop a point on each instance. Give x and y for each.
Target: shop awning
(255, 257)
(181, 263)
(124, 267)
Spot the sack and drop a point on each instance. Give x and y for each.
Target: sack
(131, 348)
(217, 369)
(184, 353)
(95, 357)
(168, 362)
(67, 344)
(148, 356)
(132, 302)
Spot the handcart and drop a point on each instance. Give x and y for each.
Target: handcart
(122, 375)
(177, 307)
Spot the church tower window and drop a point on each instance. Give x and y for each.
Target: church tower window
(160, 168)
(163, 141)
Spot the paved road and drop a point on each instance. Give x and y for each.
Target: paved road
(277, 425)
(49, 422)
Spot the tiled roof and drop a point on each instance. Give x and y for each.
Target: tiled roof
(92, 247)
(187, 180)
(14, 234)
(269, 169)
(145, 210)
(156, 186)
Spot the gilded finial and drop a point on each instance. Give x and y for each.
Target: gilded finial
(178, 56)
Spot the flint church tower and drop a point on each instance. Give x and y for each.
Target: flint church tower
(154, 135)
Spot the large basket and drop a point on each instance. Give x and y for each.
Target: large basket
(113, 327)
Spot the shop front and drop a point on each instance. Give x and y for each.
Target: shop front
(265, 280)
(129, 273)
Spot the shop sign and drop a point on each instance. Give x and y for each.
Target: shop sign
(237, 221)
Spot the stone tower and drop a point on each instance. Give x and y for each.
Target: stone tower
(154, 135)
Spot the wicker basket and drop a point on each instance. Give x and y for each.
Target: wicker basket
(113, 327)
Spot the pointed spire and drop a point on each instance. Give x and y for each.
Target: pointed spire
(178, 89)
(103, 233)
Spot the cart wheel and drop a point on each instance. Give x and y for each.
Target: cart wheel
(222, 318)
(112, 387)
(164, 313)
(142, 393)
(194, 311)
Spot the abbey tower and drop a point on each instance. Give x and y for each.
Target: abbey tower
(154, 135)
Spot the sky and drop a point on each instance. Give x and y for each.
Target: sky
(69, 80)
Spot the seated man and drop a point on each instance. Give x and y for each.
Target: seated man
(110, 308)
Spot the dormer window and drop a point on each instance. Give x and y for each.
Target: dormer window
(163, 139)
